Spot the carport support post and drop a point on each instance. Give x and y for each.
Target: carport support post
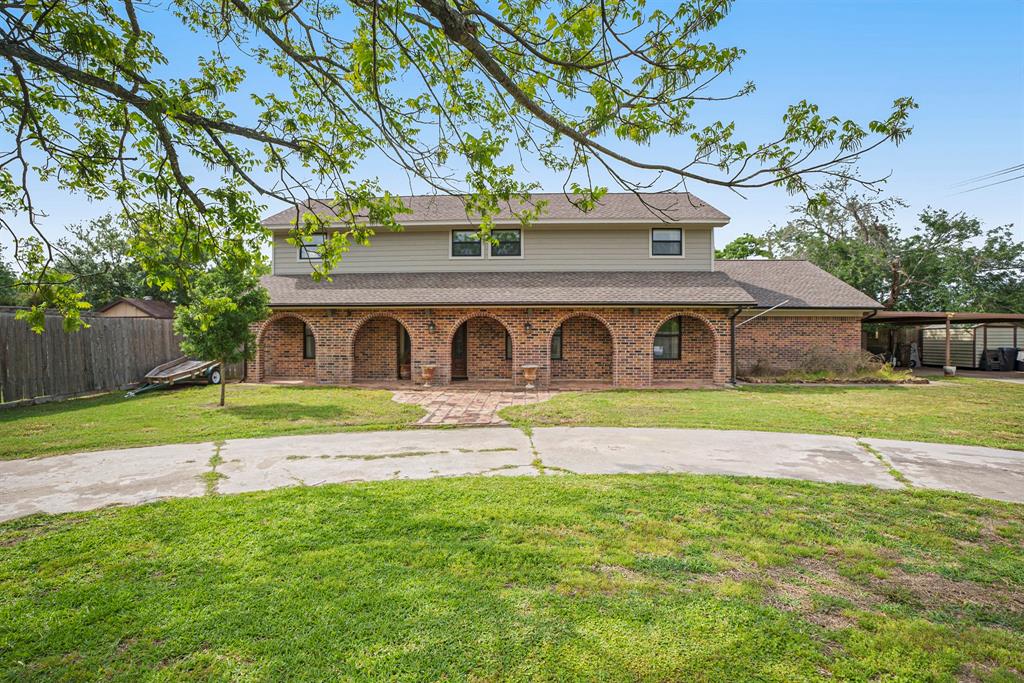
(948, 353)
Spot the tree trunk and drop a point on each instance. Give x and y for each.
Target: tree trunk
(222, 382)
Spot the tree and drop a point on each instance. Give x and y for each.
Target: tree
(451, 93)
(745, 246)
(948, 262)
(8, 279)
(215, 324)
(100, 253)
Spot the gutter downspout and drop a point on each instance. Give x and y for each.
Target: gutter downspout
(732, 345)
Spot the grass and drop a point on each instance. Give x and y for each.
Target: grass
(964, 411)
(639, 578)
(189, 414)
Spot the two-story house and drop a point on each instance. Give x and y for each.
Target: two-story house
(616, 296)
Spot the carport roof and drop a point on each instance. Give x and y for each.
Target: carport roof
(940, 317)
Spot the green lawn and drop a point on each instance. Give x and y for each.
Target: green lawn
(191, 414)
(965, 411)
(616, 578)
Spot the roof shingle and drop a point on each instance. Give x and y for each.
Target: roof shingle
(507, 289)
(614, 206)
(798, 284)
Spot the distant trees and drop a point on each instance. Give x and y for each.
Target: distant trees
(947, 262)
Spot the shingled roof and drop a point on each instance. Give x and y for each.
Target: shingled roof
(797, 284)
(507, 289)
(670, 207)
(151, 307)
(761, 284)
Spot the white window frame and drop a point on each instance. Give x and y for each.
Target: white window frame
(682, 244)
(451, 244)
(305, 246)
(522, 245)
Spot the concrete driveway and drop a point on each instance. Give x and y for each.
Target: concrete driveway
(136, 475)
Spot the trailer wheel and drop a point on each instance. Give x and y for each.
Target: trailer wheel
(215, 376)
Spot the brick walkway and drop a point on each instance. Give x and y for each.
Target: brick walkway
(467, 406)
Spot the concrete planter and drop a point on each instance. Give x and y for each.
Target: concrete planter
(948, 370)
(530, 375)
(428, 370)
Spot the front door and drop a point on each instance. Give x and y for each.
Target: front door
(459, 354)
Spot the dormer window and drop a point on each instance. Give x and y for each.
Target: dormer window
(510, 243)
(666, 242)
(466, 244)
(310, 249)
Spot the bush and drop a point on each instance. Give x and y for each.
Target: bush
(827, 365)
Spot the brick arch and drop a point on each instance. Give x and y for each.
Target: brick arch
(261, 351)
(469, 316)
(359, 327)
(613, 356)
(454, 328)
(709, 331)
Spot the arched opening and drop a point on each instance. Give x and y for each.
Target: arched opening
(582, 350)
(288, 348)
(481, 349)
(381, 350)
(684, 350)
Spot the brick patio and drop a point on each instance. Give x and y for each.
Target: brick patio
(466, 406)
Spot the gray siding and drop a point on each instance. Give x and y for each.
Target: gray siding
(545, 248)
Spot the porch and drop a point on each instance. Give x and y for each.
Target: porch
(485, 349)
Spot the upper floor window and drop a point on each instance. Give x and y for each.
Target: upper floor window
(310, 249)
(666, 242)
(667, 340)
(466, 244)
(510, 242)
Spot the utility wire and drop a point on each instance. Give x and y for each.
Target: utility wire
(993, 174)
(982, 187)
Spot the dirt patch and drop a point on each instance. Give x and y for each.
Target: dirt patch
(814, 589)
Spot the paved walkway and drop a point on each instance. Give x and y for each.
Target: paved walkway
(131, 476)
(466, 406)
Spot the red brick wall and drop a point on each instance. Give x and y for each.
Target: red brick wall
(485, 350)
(432, 331)
(586, 351)
(782, 341)
(375, 353)
(283, 342)
(696, 355)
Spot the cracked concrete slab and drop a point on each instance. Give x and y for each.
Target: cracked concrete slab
(260, 464)
(988, 472)
(85, 481)
(137, 475)
(607, 450)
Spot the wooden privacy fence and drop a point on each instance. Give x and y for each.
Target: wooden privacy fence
(112, 353)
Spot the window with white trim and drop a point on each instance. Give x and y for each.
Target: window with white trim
(666, 242)
(510, 243)
(466, 244)
(310, 249)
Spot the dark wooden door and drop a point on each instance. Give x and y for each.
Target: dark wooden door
(459, 354)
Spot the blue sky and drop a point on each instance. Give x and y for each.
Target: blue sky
(962, 62)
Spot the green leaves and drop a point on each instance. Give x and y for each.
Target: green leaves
(452, 98)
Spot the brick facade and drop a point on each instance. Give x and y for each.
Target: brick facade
(282, 341)
(782, 341)
(587, 351)
(610, 344)
(696, 351)
(485, 350)
(375, 350)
